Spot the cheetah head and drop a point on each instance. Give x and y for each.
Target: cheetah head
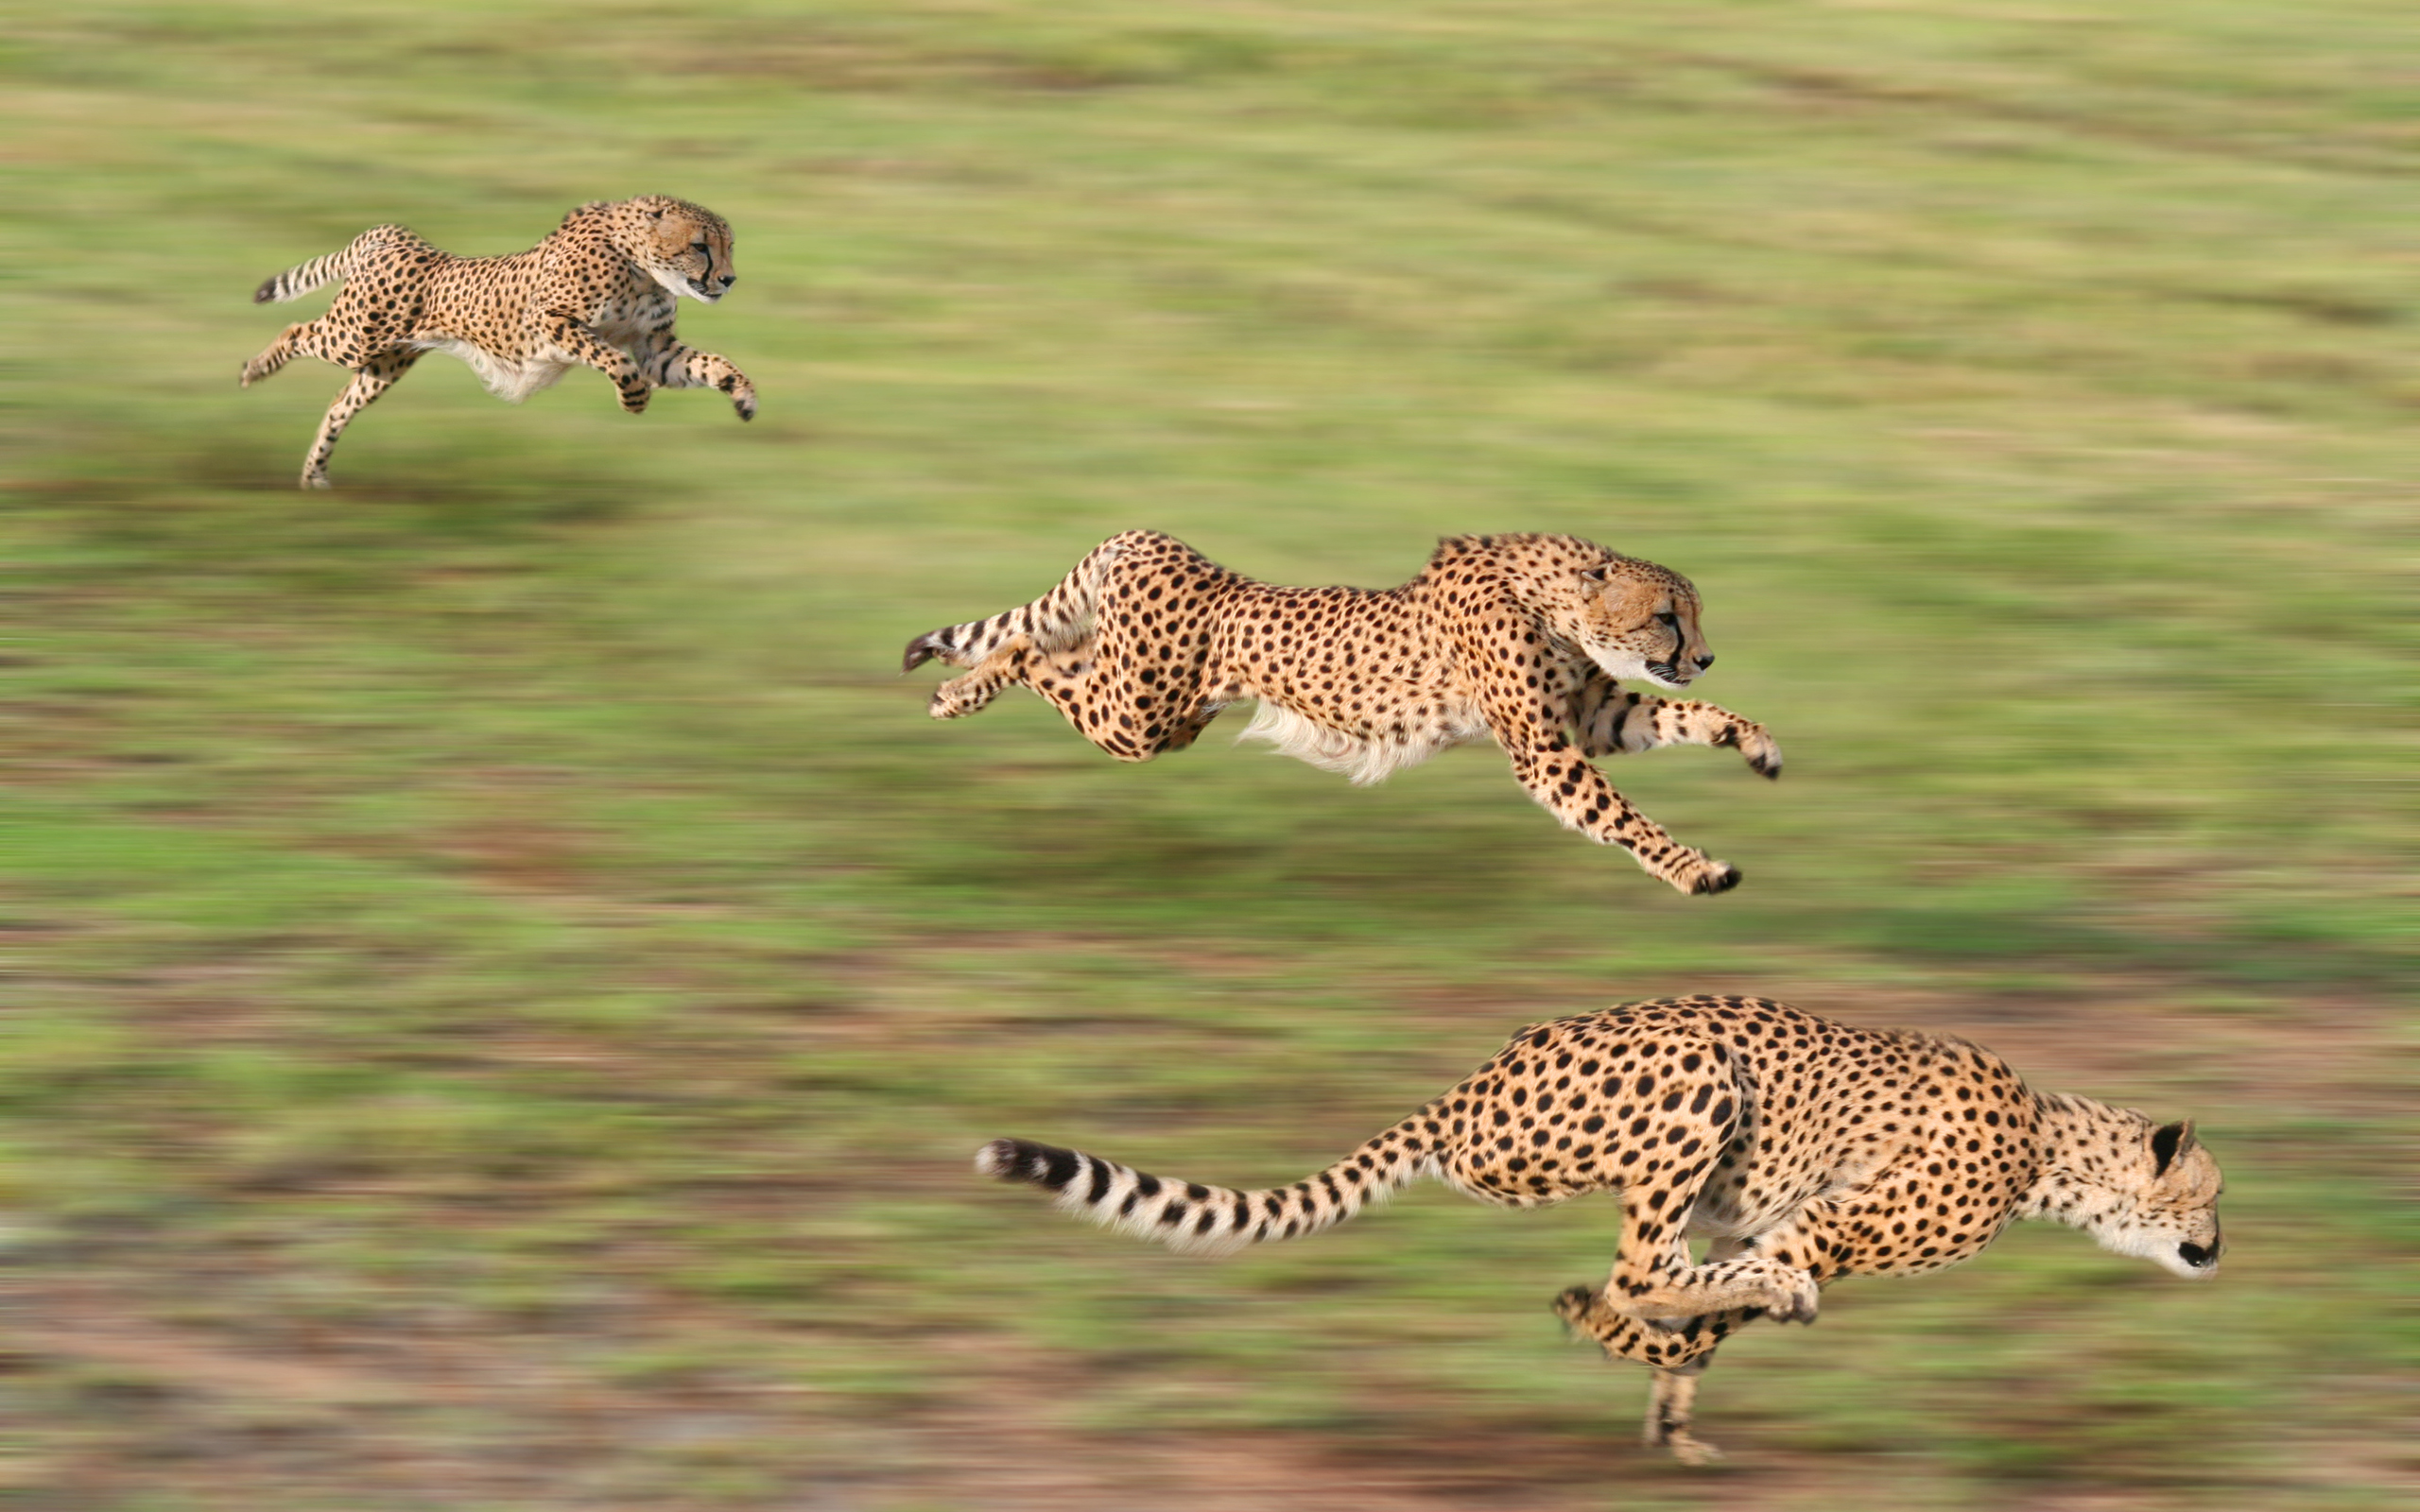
(684, 246)
(1635, 620)
(2164, 1203)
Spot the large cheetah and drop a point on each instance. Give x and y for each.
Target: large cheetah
(1804, 1150)
(1522, 638)
(598, 292)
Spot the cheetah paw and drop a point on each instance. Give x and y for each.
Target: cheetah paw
(1573, 1307)
(743, 396)
(961, 696)
(1707, 877)
(1795, 1301)
(1754, 743)
(1692, 1450)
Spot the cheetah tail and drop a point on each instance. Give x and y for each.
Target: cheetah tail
(1212, 1220)
(321, 271)
(1054, 622)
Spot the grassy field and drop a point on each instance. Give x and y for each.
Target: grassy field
(509, 980)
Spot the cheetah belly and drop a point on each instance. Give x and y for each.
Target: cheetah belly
(1365, 756)
(510, 379)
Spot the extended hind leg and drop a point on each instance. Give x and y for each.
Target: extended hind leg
(1060, 618)
(304, 338)
(372, 379)
(1092, 690)
(1674, 1120)
(1004, 668)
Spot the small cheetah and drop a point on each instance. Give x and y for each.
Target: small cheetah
(1524, 639)
(598, 292)
(1802, 1149)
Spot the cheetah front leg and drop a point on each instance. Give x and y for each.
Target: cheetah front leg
(667, 364)
(1561, 781)
(372, 379)
(578, 343)
(1559, 776)
(1612, 721)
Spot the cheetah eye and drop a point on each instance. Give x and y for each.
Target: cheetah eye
(1670, 620)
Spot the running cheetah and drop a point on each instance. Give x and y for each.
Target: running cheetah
(1522, 638)
(1802, 1149)
(598, 292)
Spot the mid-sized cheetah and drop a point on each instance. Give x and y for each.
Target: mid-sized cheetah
(1524, 639)
(1801, 1150)
(599, 292)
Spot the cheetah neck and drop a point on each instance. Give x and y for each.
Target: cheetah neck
(2085, 1147)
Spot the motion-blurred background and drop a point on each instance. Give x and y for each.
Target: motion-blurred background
(513, 980)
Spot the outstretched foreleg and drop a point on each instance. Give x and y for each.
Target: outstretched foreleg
(667, 364)
(1558, 775)
(1612, 720)
(1545, 761)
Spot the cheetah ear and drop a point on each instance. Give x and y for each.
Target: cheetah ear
(1596, 575)
(2169, 1140)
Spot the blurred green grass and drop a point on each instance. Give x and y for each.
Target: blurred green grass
(499, 936)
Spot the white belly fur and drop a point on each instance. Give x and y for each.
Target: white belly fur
(1362, 759)
(509, 380)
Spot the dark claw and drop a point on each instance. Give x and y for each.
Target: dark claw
(1768, 770)
(1722, 881)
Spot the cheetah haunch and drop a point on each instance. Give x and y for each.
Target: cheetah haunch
(1804, 1150)
(599, 292)
(1524, 638)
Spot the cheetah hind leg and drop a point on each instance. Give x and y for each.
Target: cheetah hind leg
(372, 379)
(1677, 1357)
(302, 338)
(973, 691)
(1054, 674)
(1672, 1412)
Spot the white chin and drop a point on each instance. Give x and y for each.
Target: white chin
(1630, 669)
(676, 286)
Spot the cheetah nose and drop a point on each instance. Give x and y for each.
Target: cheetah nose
(729, 278)
(1707, 661)
(2195, 1256)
